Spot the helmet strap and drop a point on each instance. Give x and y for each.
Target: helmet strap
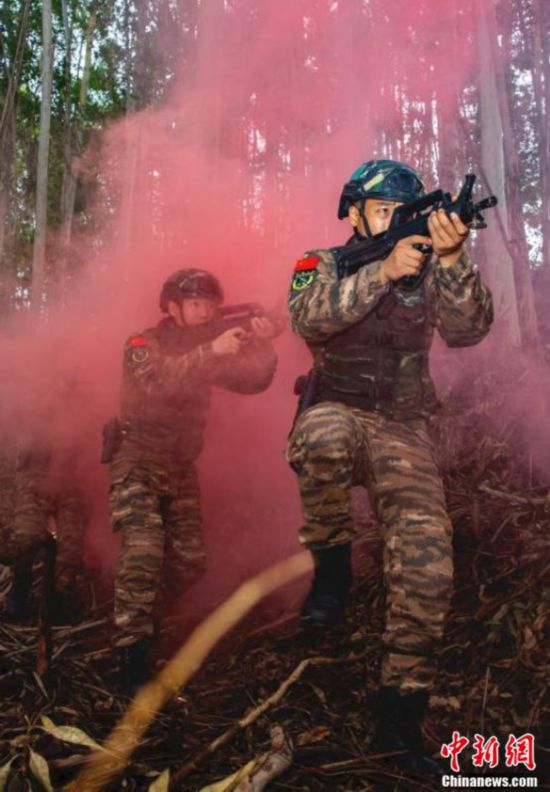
(365, 221)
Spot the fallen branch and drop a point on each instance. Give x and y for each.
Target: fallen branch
(125, 737)
(252, 716)
(258, 773)
(530, 501)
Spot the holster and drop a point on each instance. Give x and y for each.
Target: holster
(305, 388)
(112, 440)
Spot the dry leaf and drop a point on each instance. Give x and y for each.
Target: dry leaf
(316, 735)
(256, 775)
(230, 783)
(70, 734)
(161, 783)
(4, 773)
(40, 770)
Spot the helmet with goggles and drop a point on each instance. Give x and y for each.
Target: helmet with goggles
(384, 179)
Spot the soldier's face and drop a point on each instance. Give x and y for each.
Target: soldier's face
(378, 213)
(192, 312)
(197, 311)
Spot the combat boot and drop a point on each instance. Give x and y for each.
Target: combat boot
(134, 667)
(398, 720)
(67, 607)
(326, 602)
(16, 607)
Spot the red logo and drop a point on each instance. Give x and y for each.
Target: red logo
(453, 750)
(518, 751)
(521, 750)
(486, 752)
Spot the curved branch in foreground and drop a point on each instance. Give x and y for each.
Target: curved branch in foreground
(104, 765)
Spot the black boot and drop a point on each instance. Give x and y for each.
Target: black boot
(134, 667)
(327, 600)
(67, 607)
(398, 719)
(16, 607)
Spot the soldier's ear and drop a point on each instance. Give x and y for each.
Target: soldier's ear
(354, 216)
(174, 310)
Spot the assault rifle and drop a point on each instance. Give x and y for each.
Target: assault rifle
(228, 316)
(239, 315)
(412, 218)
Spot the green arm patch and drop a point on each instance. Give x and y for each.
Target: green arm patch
(139, 354)
(137, 349)
(303, 279)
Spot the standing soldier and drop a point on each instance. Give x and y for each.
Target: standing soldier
(47, 501)
(39, 499)
(168, 374)
(370, 338)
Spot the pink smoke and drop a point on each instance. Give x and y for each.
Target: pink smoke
(238, 171)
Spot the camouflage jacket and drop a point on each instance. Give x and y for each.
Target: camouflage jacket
(338, 316)
(168, 373)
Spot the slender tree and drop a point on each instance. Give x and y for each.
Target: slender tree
(39, 250)
(74, 142)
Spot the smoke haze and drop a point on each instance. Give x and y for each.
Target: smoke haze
(238, 171)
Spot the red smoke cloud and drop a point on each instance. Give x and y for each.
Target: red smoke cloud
(238, 171)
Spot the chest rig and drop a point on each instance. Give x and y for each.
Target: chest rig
(381, 362)
(164, 422)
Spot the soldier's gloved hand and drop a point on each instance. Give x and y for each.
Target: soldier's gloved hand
(448, 234)
(230, 342)
(404, 259)
(263, 328)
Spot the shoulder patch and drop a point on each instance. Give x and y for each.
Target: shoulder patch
(137, 349)
(303, 279)
(307, 263)
(138, 354)
(138, 341)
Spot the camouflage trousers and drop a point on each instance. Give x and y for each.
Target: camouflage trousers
(39, 511)
(158, 512)
(334, 447)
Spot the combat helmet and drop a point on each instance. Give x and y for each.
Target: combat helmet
(188, 283)
(385, 179)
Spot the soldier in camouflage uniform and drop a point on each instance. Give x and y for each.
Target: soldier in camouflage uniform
(46, 502)
(168, 374)
(370, 339)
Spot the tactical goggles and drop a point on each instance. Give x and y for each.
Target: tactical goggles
(398, 181)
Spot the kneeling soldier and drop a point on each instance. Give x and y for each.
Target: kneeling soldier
(370, 334)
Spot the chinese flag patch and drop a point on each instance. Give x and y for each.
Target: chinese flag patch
(138, 341)
(309, 263)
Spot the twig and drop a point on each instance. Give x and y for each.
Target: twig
(44, 650)
(257, 712)
(485, 694)
(515, 498)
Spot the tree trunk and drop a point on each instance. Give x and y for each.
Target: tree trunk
(67, 109)
(132, 143)
(541, 83)
(516, 223)
(7, 127)
(39, 251)
(500, 264)
(15, 75)
(72, 163)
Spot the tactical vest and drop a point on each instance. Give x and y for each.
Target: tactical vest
(381, 362)
(166, 426)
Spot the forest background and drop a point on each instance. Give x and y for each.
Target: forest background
(140, 136)
(69, 68)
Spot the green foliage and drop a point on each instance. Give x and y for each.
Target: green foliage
(125, 74)
(138, 47)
